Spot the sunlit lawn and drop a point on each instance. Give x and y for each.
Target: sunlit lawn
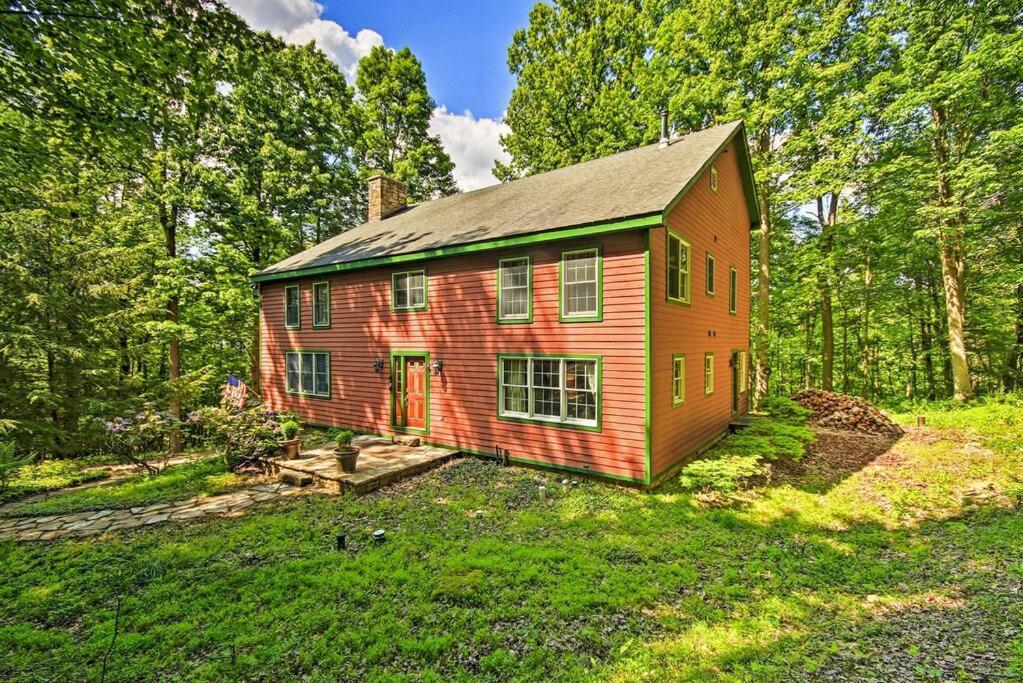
(880, 574)
(205, 477)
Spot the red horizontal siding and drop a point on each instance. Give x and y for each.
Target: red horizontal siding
(460, 328)
(718, 222)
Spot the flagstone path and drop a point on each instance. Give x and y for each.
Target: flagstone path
(81, 524)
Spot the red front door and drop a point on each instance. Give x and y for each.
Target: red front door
(415, 392)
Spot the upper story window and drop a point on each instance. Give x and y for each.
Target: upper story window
(308, 373)
(549, 389)
(581, 285)
(321, 304)
(515, 290)
(678, 379)
(708, 373)
(678, 275)
(292, 308)
(710, 273)
(408, 291)
(733, 290)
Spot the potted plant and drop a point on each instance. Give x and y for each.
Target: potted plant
(291, 442)
(347, 454)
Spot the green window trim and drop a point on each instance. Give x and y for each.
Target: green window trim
(307, 394)
(563, 421)
(397, 384)
(678, 376)
(711, 274)
(503, 320)
(316, 287)
(677, 275)
(733, 290)
(598, 316)
(426, 291)
(708, 374)
(297, 325)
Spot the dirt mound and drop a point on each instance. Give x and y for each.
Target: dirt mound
(837, 411)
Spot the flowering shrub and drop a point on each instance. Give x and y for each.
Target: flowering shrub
(246, 436)
(130, 437)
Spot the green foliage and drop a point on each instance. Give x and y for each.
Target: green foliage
(206, 477)
(343, 438)
(10, 463)
(245, 436)
(595, 582)
(290, 429)
(784, 408)
(722, 474)
(48, 475)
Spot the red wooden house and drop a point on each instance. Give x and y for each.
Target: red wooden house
(594, 318)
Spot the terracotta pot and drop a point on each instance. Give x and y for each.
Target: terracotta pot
(291, 449)
(347, 458)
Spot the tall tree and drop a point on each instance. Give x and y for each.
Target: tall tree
(397, 109)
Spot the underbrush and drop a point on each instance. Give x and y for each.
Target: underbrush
(48, 475)
(743, 458)
(995, 416)
(177, 482)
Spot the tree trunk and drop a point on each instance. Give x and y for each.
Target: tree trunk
(1012, 376)
(827, 222)
(169, 219)
(865, 364)
(763, 324)
(950, 249)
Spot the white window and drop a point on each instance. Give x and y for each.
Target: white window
(580, 285)
(408, 291)
(514, 290)
(562, 390)
(678, 260)
(292, 310)
(321, 304)
(708, 373)
(308, 372)
(710, 273)
(678, 379)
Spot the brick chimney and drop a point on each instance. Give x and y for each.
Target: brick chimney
(386, 196)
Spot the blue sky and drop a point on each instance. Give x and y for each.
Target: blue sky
(463, 46)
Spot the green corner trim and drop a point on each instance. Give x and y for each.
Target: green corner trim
(648, 362)
(426, 291)
(529, 279)
(599, 316)
(585, 230)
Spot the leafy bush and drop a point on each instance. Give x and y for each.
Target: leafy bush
(47, 475)
(128, 438)
(784, 408)
(723, 474)
(290, 429)
(10, 463)
(343, 438)
(246, 436)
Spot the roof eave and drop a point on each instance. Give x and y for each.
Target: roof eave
(645, 220)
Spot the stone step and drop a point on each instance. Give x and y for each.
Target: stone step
(406, 440)
(296, 478)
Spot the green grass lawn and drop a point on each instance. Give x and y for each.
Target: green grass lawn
(48, 475)
(868, 570)
(206, 477)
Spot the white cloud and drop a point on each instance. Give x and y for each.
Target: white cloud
(473, 144)
(298, 22)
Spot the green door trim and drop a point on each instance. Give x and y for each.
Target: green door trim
(398, 365)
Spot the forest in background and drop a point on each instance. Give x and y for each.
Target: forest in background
(154, 154)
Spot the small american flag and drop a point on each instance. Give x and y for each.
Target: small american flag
(234, 392)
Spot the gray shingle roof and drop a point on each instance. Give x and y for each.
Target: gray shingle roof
(638, 182)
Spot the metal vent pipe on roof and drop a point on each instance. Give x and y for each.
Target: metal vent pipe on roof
(664, 128)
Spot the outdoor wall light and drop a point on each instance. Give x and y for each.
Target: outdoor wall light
(378, 364)
(437, 366)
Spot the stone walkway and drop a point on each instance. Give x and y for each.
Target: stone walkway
(81, 524)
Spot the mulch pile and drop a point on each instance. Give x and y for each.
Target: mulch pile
(837, 411)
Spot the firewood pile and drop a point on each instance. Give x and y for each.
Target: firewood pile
(837, 411)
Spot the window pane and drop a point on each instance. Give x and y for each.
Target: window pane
(673, 247)
(416, 290)
(322, 378)
(515, 289)
(401, 291)
(547, 387)
(291, 306)
(321, 304)
(581, 390)
(514, 381)
(580, 283)
(710, 274)
(292, 371)
(307, 373)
